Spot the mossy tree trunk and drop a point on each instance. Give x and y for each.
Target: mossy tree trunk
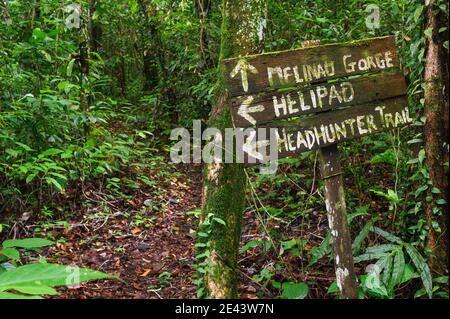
(436, 135)
(224, 184)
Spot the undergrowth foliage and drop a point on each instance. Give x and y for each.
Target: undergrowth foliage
(91, 108)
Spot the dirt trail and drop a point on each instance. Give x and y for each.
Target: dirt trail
(154, 261)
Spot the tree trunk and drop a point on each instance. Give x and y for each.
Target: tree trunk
(436, 136)
(152, 55)
(224, 184)
(122, 75)
(202, 8)
(95, 30)
(5, 16)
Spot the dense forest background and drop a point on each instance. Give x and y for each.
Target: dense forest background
(86, 110)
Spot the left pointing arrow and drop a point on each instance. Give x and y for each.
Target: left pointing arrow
(243, 67)
(245, 110)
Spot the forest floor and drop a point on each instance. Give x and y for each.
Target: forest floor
(151, 249)
(147, 239)
(153, 254)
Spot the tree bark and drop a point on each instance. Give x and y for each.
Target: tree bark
(436, 136)
(202, 8)
(5, 16)
(153, 57)
(95, 30)
(224, 184)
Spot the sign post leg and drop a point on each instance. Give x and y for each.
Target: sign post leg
(337, 218)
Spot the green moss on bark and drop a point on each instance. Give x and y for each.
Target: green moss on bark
(224, 184)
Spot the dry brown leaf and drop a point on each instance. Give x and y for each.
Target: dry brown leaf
(146, 272)
(135, 231)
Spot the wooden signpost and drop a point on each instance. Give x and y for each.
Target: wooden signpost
(314, 98)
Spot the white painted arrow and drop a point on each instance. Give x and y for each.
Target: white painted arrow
(251, 146)
(245, 109)
(243, 67)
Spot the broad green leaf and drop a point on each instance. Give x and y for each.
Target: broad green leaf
(35, 289)
(53, 181)
(30, 178)
(420, 190)
(420, 293)
(220, 221)
(387, 273)
(387, 235)
(393, 196)
(50, 152)
(8, 295)
(422, 267)
(360, 211)
(24, 146)
(276, 284)
(398, 269)
(51, 275)
(414, 141)
(361, 236)
(39, 35)
(202, 234)
(294, 290)
(418, 13)
(380, 248)
(58, 175)
(333, 288)
(27, 243)
(441, 280)
(70, 67)
(250, 244)
(387, 157)
(381, 263)
(47, 56)
(441, 294)
(408, 274)
(319, 251)
(10, 253)
(378, 290)
(435, 190)
(288, 244)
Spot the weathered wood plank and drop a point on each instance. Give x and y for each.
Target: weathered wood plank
(265, 72)
(330, 168)
(258, 109)
(327, 128)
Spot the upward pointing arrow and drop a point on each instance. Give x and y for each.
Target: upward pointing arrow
(243, 67)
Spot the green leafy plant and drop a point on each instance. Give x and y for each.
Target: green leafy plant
(165, 278)
(292, 290)
(391, 264)
(32, 281)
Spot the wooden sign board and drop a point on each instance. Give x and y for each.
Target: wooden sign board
(253, 110)
(327, 128)
(268, 71)
(355, 89)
